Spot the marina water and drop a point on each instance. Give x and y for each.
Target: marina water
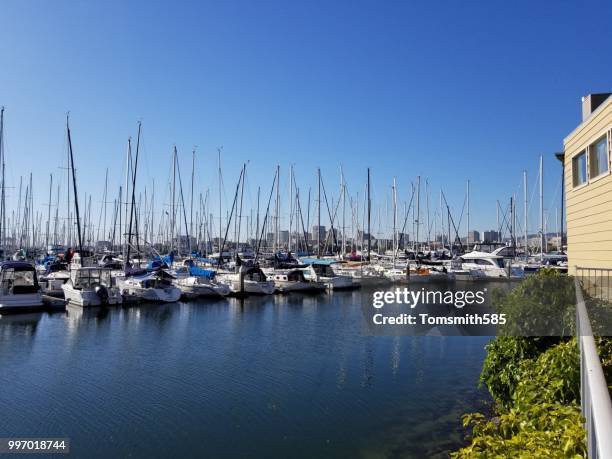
(283, 376)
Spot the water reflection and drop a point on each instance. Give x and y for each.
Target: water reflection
(286, 368)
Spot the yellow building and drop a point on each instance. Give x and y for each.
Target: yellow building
(588, 186)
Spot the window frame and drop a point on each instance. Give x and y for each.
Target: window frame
(605, 137)
(584, 152)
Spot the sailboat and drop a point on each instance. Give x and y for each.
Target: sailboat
(195, 282)
(87, 286)
(155, 285)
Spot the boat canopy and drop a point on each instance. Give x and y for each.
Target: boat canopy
(200, 272)
(17, 266)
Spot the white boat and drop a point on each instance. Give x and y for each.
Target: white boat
(53, 278)
(91, 286)
(196, 287)
(364, 275)
(19, 287)
(155, 286)
(248, 280)
(488, 265)
(293, 280)
(196, 282)
(324, 273)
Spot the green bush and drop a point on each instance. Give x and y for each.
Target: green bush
(535, 380)
(541, 305)
(546, 430)
(501, 367)
(553, 377)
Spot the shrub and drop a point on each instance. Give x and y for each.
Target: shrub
(545, 430)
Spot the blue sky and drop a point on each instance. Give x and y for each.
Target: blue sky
(450, 91)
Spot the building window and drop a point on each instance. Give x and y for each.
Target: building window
(598, 157)
(579, 169)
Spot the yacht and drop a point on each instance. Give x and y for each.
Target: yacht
(248, 280)
(488, 265)
(293, 280)
(197, 282)
(19, 287)
(91, 286)
(53, 277)
(320, 270)
(148, 286)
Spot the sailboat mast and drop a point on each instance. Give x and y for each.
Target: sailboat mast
(132, 204)
(468, 216)
(49, 210)
(191, 199)
(369, 215)
(76, 199)
(2, 197)
(290, 206)
(220, 215)
(173, 216)
(542, 248)
(319, 213)
(418, 209)
(394, 221)
(525, 209)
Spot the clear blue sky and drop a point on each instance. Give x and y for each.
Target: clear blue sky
(448, 90)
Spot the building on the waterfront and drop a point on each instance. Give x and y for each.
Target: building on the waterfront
(321, 230)
(490, 236)
(473, 236)
(588, 185)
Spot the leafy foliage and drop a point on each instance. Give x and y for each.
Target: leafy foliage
(541, 305)
(534, 381)
(546, 430)
(500, 370)
(553, 377)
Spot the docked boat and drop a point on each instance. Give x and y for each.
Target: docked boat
(54, 276)
(19, 287)
(249, 280)
(91, 286)
(293, 280)
(153, 286)
(195, 282)
(489, 266)
(320, 270)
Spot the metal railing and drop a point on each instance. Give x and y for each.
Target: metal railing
(594, 395)
(596, 282)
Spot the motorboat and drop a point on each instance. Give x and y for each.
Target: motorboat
(293, 280)
(489, 265)
(320, 270)
(19, 287)
(249, 280)
(195, 282)
(91, 286)
(54, 275)
(153, 286)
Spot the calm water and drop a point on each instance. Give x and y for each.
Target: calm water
(281, 376)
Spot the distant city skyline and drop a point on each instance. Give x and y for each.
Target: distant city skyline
(449, 93)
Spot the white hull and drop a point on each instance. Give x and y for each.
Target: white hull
(134, 292)
(299, 286)
(253, 287)
(338, 283)
(19, 301)
(88, 297)
(192, 287)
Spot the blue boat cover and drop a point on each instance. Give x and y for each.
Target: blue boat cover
(317, 261)
(201, 272)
